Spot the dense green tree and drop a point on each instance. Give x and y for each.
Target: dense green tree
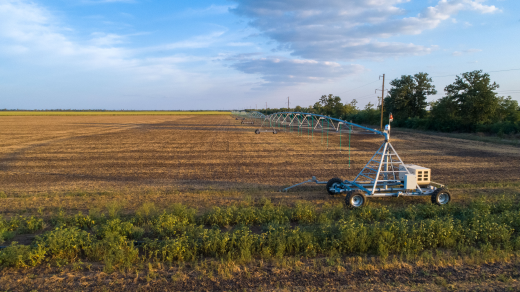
(329, 105)
(408, 95)
(350, 108)
(508, 110)
(473, 97)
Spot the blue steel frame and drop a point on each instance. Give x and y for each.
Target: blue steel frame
(382, 178)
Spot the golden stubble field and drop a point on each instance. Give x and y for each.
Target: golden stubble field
(185, 157)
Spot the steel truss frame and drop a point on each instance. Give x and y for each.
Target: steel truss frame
(378, 178)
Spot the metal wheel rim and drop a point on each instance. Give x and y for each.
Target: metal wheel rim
(444, 198)
(334, 185)
(357, 201)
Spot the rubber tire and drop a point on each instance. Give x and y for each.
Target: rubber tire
(436, 195)
(351, 195)
(331, 182)
(274, 132)
(257, 131)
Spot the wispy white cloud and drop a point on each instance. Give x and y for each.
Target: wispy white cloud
(241, 44)
(283, 71)
(347, 30)
(212, 9)
(30, 32)
(465, 52)
(197, 42)
(101, 39)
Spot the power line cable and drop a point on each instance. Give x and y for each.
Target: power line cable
(364, 96)
(359, 87)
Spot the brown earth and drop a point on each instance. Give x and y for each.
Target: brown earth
(293, 274)
(77, 163)
(49, 153)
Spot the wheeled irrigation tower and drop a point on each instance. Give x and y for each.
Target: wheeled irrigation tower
(385, 174)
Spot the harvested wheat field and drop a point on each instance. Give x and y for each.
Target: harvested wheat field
(192, 202)
(44, 154)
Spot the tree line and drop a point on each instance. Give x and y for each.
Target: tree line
(469, 104)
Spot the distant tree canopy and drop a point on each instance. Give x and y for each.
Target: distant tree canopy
(470, 99)
(408, 96)
(470, 104)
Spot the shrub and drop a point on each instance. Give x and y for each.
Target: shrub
(5, 232)
(20, 224)
(114, 249)
(270, 214)
(120, 227)
(21, 256)
(145, 213)
(168, 225)
(82, 221)
(169, 249)
(219, 216)
(304, 212)
(183, 212)
(65, 244)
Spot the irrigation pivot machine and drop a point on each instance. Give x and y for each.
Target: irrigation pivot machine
(385, 174)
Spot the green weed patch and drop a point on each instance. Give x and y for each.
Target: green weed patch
(247, 231)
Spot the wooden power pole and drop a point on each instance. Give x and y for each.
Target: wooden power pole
(382, 100)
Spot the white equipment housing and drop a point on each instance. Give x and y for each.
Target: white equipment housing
(422, 174)
(410, 182)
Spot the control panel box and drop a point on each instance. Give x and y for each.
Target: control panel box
(410, 182)
(422, 174)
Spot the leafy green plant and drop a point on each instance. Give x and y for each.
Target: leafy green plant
(120, 227)
(114, 249)
(65, 244)
(5, 232)
(21, 256)
(183, 212)
(304, 212)
(145, 212)
(114, 208)
(168, 225)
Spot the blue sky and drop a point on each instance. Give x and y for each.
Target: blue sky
(145, 54)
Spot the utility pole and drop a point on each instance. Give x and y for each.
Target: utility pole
(288, 105)
(382, 99)
(266, 105)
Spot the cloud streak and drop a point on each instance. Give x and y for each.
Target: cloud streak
(465, 52)
(283, 71)
(335, 30)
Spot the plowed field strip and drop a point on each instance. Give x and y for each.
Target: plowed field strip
(64, 153)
